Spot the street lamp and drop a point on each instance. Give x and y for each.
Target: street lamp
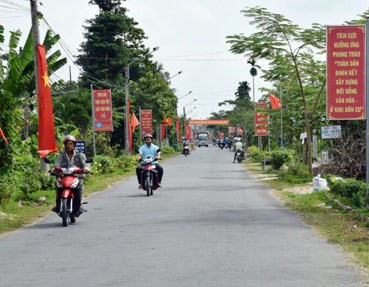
(184, 114)
(190, 103)
(192, 110)
(185, 95)
(126, 75)
(179, 72)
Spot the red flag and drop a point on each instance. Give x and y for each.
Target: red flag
(178, 127)
(167, 121)
(134, 122)
(3, 136)
(163, 131)
(274, 101)
(188, 132)
(46, 130)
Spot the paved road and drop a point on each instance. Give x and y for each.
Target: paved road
(212, 224)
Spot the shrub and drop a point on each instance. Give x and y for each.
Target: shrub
(7, 187)
(353, 190)
(255, 154)
(167, 150)
(279, 157)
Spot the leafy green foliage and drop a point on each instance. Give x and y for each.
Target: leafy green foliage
(279, 157)
(354, 191)
(7, 187)
(255, 153)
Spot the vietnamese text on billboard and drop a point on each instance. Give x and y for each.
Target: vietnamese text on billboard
(146, 122)
(261, 119)
(346, 72)
(103, 112)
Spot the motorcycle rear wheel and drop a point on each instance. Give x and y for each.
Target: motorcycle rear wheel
(64, 212)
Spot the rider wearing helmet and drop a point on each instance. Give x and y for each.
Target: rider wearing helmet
(238, 146)
(149, 150)
(72, 157)
(185, 141)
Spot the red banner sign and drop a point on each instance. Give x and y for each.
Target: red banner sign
(346, 72)
(208, 122)
(103, 111)
(261, 119)
(146, 122)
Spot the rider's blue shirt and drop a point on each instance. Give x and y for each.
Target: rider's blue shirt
(146, 151)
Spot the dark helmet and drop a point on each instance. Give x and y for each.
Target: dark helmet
(148, 136)
(69, 138)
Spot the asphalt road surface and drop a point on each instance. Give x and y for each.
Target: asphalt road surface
(211, 224)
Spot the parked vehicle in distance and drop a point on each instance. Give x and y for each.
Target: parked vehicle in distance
(203, 139)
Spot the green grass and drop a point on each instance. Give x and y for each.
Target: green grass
(337, 226)
(14, 215)
(20, 214)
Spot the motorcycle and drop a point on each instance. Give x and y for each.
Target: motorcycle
(149, 175)
(239, 156)
(186, 149)
(66, 184)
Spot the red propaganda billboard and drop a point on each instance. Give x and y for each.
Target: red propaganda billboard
(103, 112)
(146, 122)
(346, 72)
(261, 119)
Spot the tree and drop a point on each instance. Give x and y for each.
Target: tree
(113, 40)
(17, 87)
(279, 37)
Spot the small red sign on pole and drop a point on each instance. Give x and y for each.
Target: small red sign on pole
(261, 119)
(346, 72)
(103, 111)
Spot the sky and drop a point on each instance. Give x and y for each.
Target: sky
(191, 36)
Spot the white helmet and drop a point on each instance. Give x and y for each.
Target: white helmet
(69, 138)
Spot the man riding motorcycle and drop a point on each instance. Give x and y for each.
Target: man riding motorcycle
(185, 143)
(238, 146)
(71, 157)
(149, 150)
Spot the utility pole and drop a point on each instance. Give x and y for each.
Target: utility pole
(36, 41)
(36, 35)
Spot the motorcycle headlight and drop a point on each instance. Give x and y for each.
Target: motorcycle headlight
(75, 183)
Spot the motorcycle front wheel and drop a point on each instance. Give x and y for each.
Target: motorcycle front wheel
(64, 211)
(148, 187)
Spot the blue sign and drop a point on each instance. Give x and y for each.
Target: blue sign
(81, 146)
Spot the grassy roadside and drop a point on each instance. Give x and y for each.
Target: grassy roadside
(15, 215)
(328, 220)
(337, 226)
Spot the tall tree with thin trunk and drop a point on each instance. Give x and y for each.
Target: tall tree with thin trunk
(278, 36)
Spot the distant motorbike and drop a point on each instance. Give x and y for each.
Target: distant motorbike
(186, 149)
(239, 156)
(66, 183)
(149, 175)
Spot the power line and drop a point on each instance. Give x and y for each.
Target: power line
(14, 6)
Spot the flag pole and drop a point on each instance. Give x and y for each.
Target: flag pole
(93, 119)
(282, 144)
(139, 116)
